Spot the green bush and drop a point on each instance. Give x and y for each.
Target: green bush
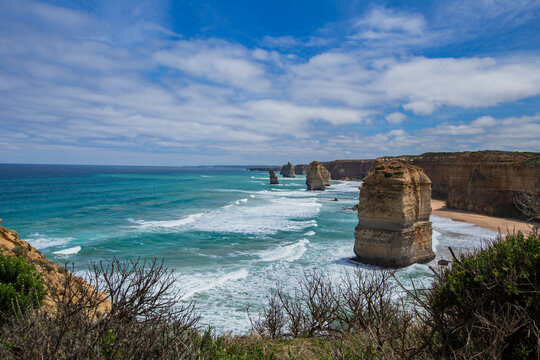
(488, 303)
(21, 287)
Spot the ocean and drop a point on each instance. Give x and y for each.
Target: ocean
(230, 235)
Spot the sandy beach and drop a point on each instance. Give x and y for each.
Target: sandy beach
(503, 225)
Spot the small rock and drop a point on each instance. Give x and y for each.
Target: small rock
(443, 262)
(273, 177)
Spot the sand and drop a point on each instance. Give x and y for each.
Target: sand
(502, 225)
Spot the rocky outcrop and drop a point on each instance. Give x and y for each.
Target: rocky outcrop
(273, 177)
(301, 169)
(481, 181)
(53, 275)
(393, 216)
(288, 170)
(343, 169)
(348, 169)
(317, 177)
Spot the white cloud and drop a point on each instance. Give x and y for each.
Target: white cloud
(217, 61)
(383, 22)
(427, 84)
(395, 118)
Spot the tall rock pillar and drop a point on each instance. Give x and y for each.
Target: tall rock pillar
(393, 216)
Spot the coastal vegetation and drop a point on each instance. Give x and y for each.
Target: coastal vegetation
(486, 305)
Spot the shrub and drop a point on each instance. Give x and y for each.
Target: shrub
(488, 304)
(21, 287)
(144, 319)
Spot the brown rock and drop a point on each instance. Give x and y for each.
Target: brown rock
(301, 169)
(443, 262)
(481, 181)
(53, 275)
(288, 171)
(273, 177)
(317, 176)
(393, 216)
(348, 169)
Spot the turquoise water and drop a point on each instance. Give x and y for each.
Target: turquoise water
(231, 235)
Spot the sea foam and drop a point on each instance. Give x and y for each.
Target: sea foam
(70, 251)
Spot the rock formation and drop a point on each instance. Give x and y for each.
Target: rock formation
(273, 177)
(317, 176)
(288, 170)
(481, 181)
(342, 169)
(300, 169)
(53, 275)
(348, 169)
(393, 216)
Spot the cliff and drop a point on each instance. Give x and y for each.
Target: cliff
(273, 177)
(317, 177)
(393, 216)
(348, 169)
(53, 275)
(301, 169)
(287, 170)
(343, 169)
(480, 181)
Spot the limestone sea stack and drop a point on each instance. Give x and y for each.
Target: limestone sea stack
(300, 169)
(288, 171)
(273, 177)
(393, 216)
(317, 176)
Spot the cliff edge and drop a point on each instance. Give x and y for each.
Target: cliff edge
(54, 276)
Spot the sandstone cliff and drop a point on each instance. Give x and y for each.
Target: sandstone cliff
(288, 170)
(317, 176)
(301, 169)
(393, 216)
(342, 169)
(480, 181)
(53, 275)
(273, 177)
(348, 169)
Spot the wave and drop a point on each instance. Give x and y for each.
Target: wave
(40, 241)
(287, 253)
(264, 217)
(194, 284)
(142, 224)
(70, 251)
(310, 233)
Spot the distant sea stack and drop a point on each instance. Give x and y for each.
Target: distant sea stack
(342, 169)
(301, 169)
(317, 176)
(481, 181)
(348, 169)
(273, 177)
(288, 170)
(393, 216)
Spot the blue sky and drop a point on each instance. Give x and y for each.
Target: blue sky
(250, 82)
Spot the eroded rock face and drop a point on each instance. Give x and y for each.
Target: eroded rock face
(393, 216)
(348, 169)
(317, 176)
(481, 181)
(273, 177)
(53, 275)
(342, 169)
(301, 169)
(288, 170)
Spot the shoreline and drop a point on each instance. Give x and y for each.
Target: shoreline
(502, 225)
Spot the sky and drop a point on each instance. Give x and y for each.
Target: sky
(219, 82)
